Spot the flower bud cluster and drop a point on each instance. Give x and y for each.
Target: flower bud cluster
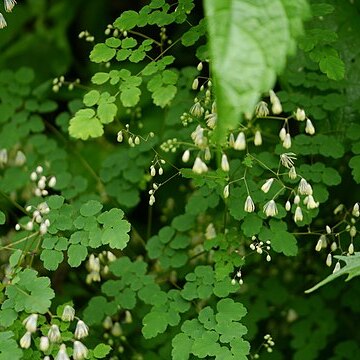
(170, 145)
(114, 32)
(237, 278)
(98, 266)
(42, 182)
(53, 335)
(86, 35)
(261, 247)
(60, 82)
(37, 218)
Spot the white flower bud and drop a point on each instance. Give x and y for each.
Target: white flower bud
(25, 341)
(152, 170)
(224, 163)
(186, 156)
(52, 182)
(333, 246)
(329, 260)
(288, 206)
(199, 66)
(352, 231)
(68, 313)
(266, 187)
(300, 114)
(195, 84)
(268, 258)
(30, 323)
(152, 200)
(337, 267)
(328, 230)
(249, 204)
(309, 128)
(82, 330)
(319, 244)
(240, 142)
(54, 333)
(287, 141)
(20, 158)
(231, 140)
(43, 229)
(199, 166)
(39, 169)
(29, 226)
(161, 170)
(351, 249)
(257, 138)
(233, 282)
(107, 323)
(120, 136)
(292, 173)
(282, 134)
(270, 208)
(44, 343)
(62, 354)
(137, 140)
(116, 330)
(33, 176)
(3, 156)
(226, 192)
(298, 214)
(356, 210)
(80, 351)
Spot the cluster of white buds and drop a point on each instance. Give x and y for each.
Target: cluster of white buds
(86, 35)
(275, 102)
(261, 247)
(8, 5)
(98, 265)
(237, 278)
(152, 194)
(37, 217)
(18, 160)
(132, 139)
(170, 145)
(157, 163)
(199, 138)
(186, 119)
(42, 182)
(115, 32)
(60, 81)
(268, 343)
(30, 324)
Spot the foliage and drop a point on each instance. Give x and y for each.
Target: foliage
(176, 194)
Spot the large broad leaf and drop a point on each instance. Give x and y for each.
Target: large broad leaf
(352, 269)
(249, 42)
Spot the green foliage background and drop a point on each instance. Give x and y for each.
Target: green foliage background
(170, 286)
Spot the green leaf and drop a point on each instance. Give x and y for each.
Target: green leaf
(84, 125)
(77, 253)
(154, 323)
(351, 269)
(127, 20)
(90, 208)
(354, 163)
(251, 224)
(91, 98)
(102, 53)
(55, 202)
(30, 293)
(51, 258)
(8, 347)
(243, 64)
(130, 96)
(106, 112)
(101, 351)
(113, 42)
(100, 78)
